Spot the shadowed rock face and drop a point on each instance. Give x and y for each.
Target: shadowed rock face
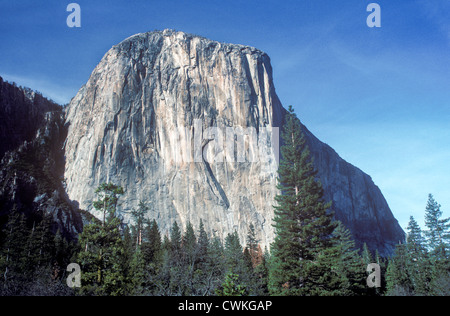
(136, 123)
(31, 160)
(356, 201)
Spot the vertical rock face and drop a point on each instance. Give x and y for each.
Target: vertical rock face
(135, 120)
(156, 102)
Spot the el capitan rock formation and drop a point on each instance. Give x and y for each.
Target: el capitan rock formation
(121, 129)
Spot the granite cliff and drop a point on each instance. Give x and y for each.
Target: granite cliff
(148, 118)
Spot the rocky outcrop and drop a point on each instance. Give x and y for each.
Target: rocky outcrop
(148, 120)
(32, 161)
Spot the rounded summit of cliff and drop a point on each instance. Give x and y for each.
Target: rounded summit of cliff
(173, 36)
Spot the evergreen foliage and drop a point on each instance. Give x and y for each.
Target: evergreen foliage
(103, 248)
(421, 265)
(33, 258)
(306, 252)
(230, 286)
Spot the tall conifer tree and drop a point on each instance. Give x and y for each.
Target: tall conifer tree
(103, 248)
(303, 226)
(438, 232)
(418, 263)
(438, 235)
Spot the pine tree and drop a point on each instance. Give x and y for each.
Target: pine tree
(203, 273)
(108, 195)
(349, 264)
(255, 265)
(189, 246)
(253, 248)
(337, 270)
(128, 262)
(438, 232)
(62, 255)
(418, 262)
(303, 225)
(261, 272)
(216, 266)
(39, 252)
(438, 235)
(139, 216)
(237, 260)
(234, 255)
(174, 278)
(203, 245)
(150, 255)
(367, 258)
(252, 242)
(102, 248)
(189, 260)
(14, 269)
(382, 263)
(137, 275)
(113, 276)
(366, 255)
(231, 286)
(398, 279)
(162, 280)
(175, 241)
(43, 246)
(152, 246)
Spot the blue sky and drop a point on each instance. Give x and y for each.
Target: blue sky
(379, 96)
